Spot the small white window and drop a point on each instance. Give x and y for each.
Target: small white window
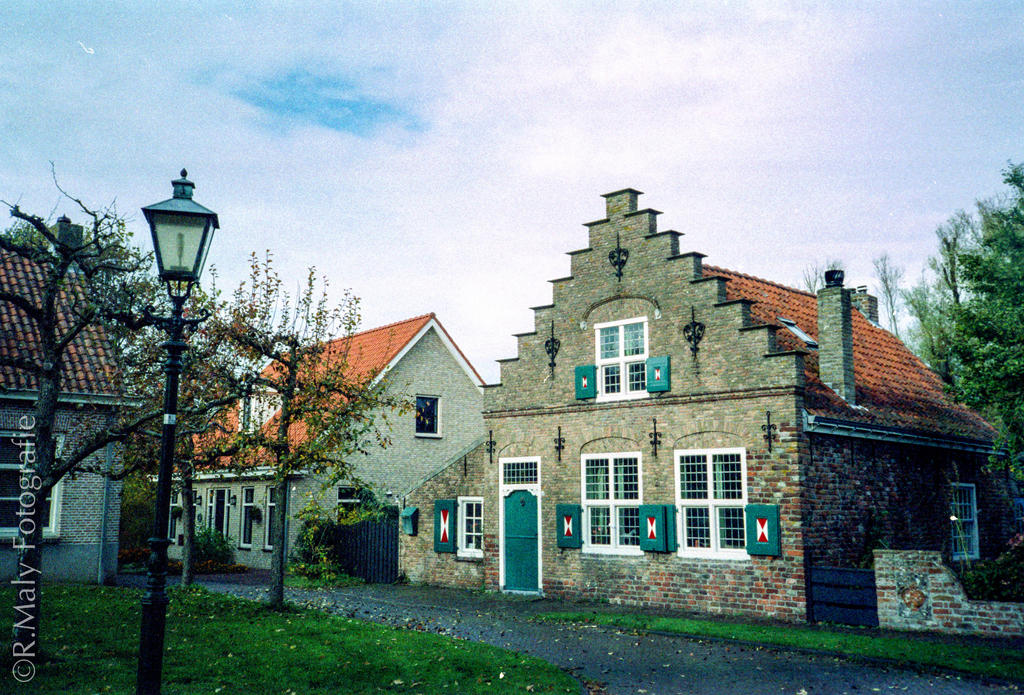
(611, 503)
(519, 472)
(14, 446)
(963, 520)
(270, 520)
(175, 515)
(248, 503)
(711, 492)
(621, 359)
(471, 527)
(347, 497)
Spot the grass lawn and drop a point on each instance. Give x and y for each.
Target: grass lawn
(221, 644)
(976, 658)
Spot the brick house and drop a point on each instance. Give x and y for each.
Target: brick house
(83, 511)
(679, 435)
(421, 362)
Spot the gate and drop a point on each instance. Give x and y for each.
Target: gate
(838, 595)
(369, 550)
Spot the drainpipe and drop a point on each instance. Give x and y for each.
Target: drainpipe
(104, 509)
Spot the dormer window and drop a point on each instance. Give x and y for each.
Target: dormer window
(621, 354)
(795, 330)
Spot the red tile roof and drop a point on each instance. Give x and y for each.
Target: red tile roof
(894, 387)
(89, 365)
(368, 353)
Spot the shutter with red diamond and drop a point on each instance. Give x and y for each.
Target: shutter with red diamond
(444, 525)
(657, 528)
(567, 525)
(763, 529)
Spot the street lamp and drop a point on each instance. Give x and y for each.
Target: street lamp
(182, 231)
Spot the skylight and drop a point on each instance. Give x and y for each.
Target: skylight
(795, 330)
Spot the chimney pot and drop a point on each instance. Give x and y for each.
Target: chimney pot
(834, 278)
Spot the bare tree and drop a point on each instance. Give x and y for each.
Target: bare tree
(814, 274)
(889, 276)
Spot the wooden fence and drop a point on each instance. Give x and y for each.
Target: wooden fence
(846, 596)
(369, 550)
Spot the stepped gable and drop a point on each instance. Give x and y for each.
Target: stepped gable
(894, 387)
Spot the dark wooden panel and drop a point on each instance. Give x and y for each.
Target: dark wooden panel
(843, 577)
(846, 615)
(843, 595)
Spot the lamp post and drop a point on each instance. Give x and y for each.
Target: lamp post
(182, 230)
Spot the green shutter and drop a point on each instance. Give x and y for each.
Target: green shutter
(445, 526)
(658, 528)
(568, 525)
(586, 381)
(763, 529)
(659, 374)
(410, 521)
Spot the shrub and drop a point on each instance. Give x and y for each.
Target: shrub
(208, 567)
(212, 545)
(132, 556)
(1001, 579)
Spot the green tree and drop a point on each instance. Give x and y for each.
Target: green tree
(989, 324)
(934, 301)
(326, 413)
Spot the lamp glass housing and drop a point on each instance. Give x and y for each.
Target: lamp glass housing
(181, 243)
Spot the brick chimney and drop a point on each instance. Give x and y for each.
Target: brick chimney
(67, 233)
(867, 303)
(835, 337)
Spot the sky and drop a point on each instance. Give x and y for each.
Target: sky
(443, 157)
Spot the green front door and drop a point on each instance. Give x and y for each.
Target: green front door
(521, 542)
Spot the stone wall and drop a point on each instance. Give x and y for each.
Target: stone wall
(917, 591)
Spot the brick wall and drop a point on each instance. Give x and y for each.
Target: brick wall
(863, 494)
(917, 591)
(75, 550)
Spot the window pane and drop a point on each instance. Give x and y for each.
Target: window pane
(637, 376)
(10, 483)
(597, 479)
(248, 494)
(612, 378)
(627, 479)
(698, 527)
(600, 526)
(609, 342)
(693, 477)
(728, 477)
(629, 526)
(473, 525)
(426, 415)
(633, 339)
(519, 472)
(730, 528)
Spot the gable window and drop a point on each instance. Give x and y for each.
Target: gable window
(611, 503)
(270, 520)
(471, 527)
(711, 491)
(964, 521)
(428, 416)
(11, 500)
(248, 502)
(621, 354)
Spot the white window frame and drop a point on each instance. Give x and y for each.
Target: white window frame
(269, 507)
(172, 522)
(711, 504)
(464, 549)
(969, 526)
(246, 506)
(612, 503)
(211, 509)
(621, 360)
(347, 501)
(56, 493)
(429, 435)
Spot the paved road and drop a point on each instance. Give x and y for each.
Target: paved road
(623, 663)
